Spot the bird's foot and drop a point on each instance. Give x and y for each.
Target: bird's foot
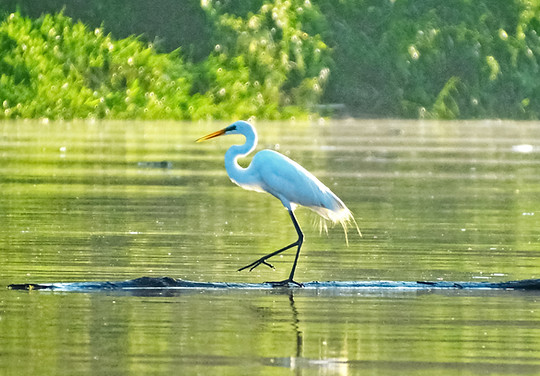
(263, 259)
(254, 264)
(285, 283)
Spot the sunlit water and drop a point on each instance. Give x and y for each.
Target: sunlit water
(113, 201)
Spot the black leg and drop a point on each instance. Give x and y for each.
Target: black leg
(297, 243)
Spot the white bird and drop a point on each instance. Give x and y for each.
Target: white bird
(284, 179)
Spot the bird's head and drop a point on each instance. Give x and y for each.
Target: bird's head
(238, 127)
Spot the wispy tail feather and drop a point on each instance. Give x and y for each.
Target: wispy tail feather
(343, 216)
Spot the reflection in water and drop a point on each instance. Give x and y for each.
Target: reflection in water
(295, 325)
(436, 201)
(299, 362)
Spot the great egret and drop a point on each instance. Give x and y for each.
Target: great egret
(284, 179)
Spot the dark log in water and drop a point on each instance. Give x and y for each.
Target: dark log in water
(168, 283)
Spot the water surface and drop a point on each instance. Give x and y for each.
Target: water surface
(119, 200)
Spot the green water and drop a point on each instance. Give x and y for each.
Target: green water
(434, 201)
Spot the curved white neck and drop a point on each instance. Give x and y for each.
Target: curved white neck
(236, 172)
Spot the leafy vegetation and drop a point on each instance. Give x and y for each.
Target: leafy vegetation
(264, 63)
(54, 68)
(436, 59)
(271, 59)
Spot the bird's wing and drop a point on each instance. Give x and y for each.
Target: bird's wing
(293, 184)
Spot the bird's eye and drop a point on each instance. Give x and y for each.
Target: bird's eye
(230, 128)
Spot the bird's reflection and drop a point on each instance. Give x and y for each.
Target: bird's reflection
(296, 325)
(298, 362)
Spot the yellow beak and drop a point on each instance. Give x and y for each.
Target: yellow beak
(212, 135)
